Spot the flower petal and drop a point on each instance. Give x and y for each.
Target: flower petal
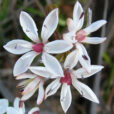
(71, 25)
(23, 63)
(95, 26)
(33, 110)
(72, 59)
(94, 40)
(82, 73)
(78, 16)
(42, 71)
(69, 37)
(66, 97)
(58, 46)
(85, 91)
(52, 88)
(31, 86)
(52, 64)
(40, 93)
(49, 25)
(28, 95)
(16, 105)
(23, 83)
(26, 75)
(84, 58)
(29, 27)
(3, 105)
(18, 46)
(11, 110)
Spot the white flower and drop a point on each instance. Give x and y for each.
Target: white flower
(29, 86)
(18, 107)
(52, 70)
(77, 36)
(31, 50)
(71, 77)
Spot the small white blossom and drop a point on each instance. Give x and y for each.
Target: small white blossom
(18, 107)
(71, 77)
(30, 85)
(31, 50)
(77, 36)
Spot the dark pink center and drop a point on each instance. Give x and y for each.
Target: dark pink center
(37, 112)
(20, 104)
(38, 47)
(81, 35)
(67, 78)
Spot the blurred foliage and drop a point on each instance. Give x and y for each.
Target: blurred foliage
(110, 64)
(4, 9)
(34, 11)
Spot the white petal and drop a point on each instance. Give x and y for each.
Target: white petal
(78, 16)
(69, 37)
(40, 93)
(23, 83)
(66, 97)
(24, 62)
(3, 105)
(18, 46)
(94, 40)
(31, 86)
(28, 95)
(52, 88)
(33, 110)
(95, 26)
(71, 25)
(85, 91)
(82, 73)
(42, 71)
(29, 27)
(72, 59)
(84, 58)
(26, 75)
(49, 25)
(11, 110)
(52, 64)
(58, 46)
(16, 105)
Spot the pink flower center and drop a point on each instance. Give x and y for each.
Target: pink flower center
(81, 35)
(37, 112)
(38, 47)
(20, 104)
(67, 77)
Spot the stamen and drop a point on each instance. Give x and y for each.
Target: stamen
(67, 77)
(38, 47)
(82, 15)
(85, 57)
(20, 104)
(21, 90)
(81, 35)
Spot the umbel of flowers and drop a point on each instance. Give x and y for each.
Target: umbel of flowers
(50, 54)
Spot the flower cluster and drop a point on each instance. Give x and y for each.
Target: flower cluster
(55, 62)
(18, 108)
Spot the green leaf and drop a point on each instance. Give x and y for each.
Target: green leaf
(4, 9)
(34, 11)
(107, 58)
